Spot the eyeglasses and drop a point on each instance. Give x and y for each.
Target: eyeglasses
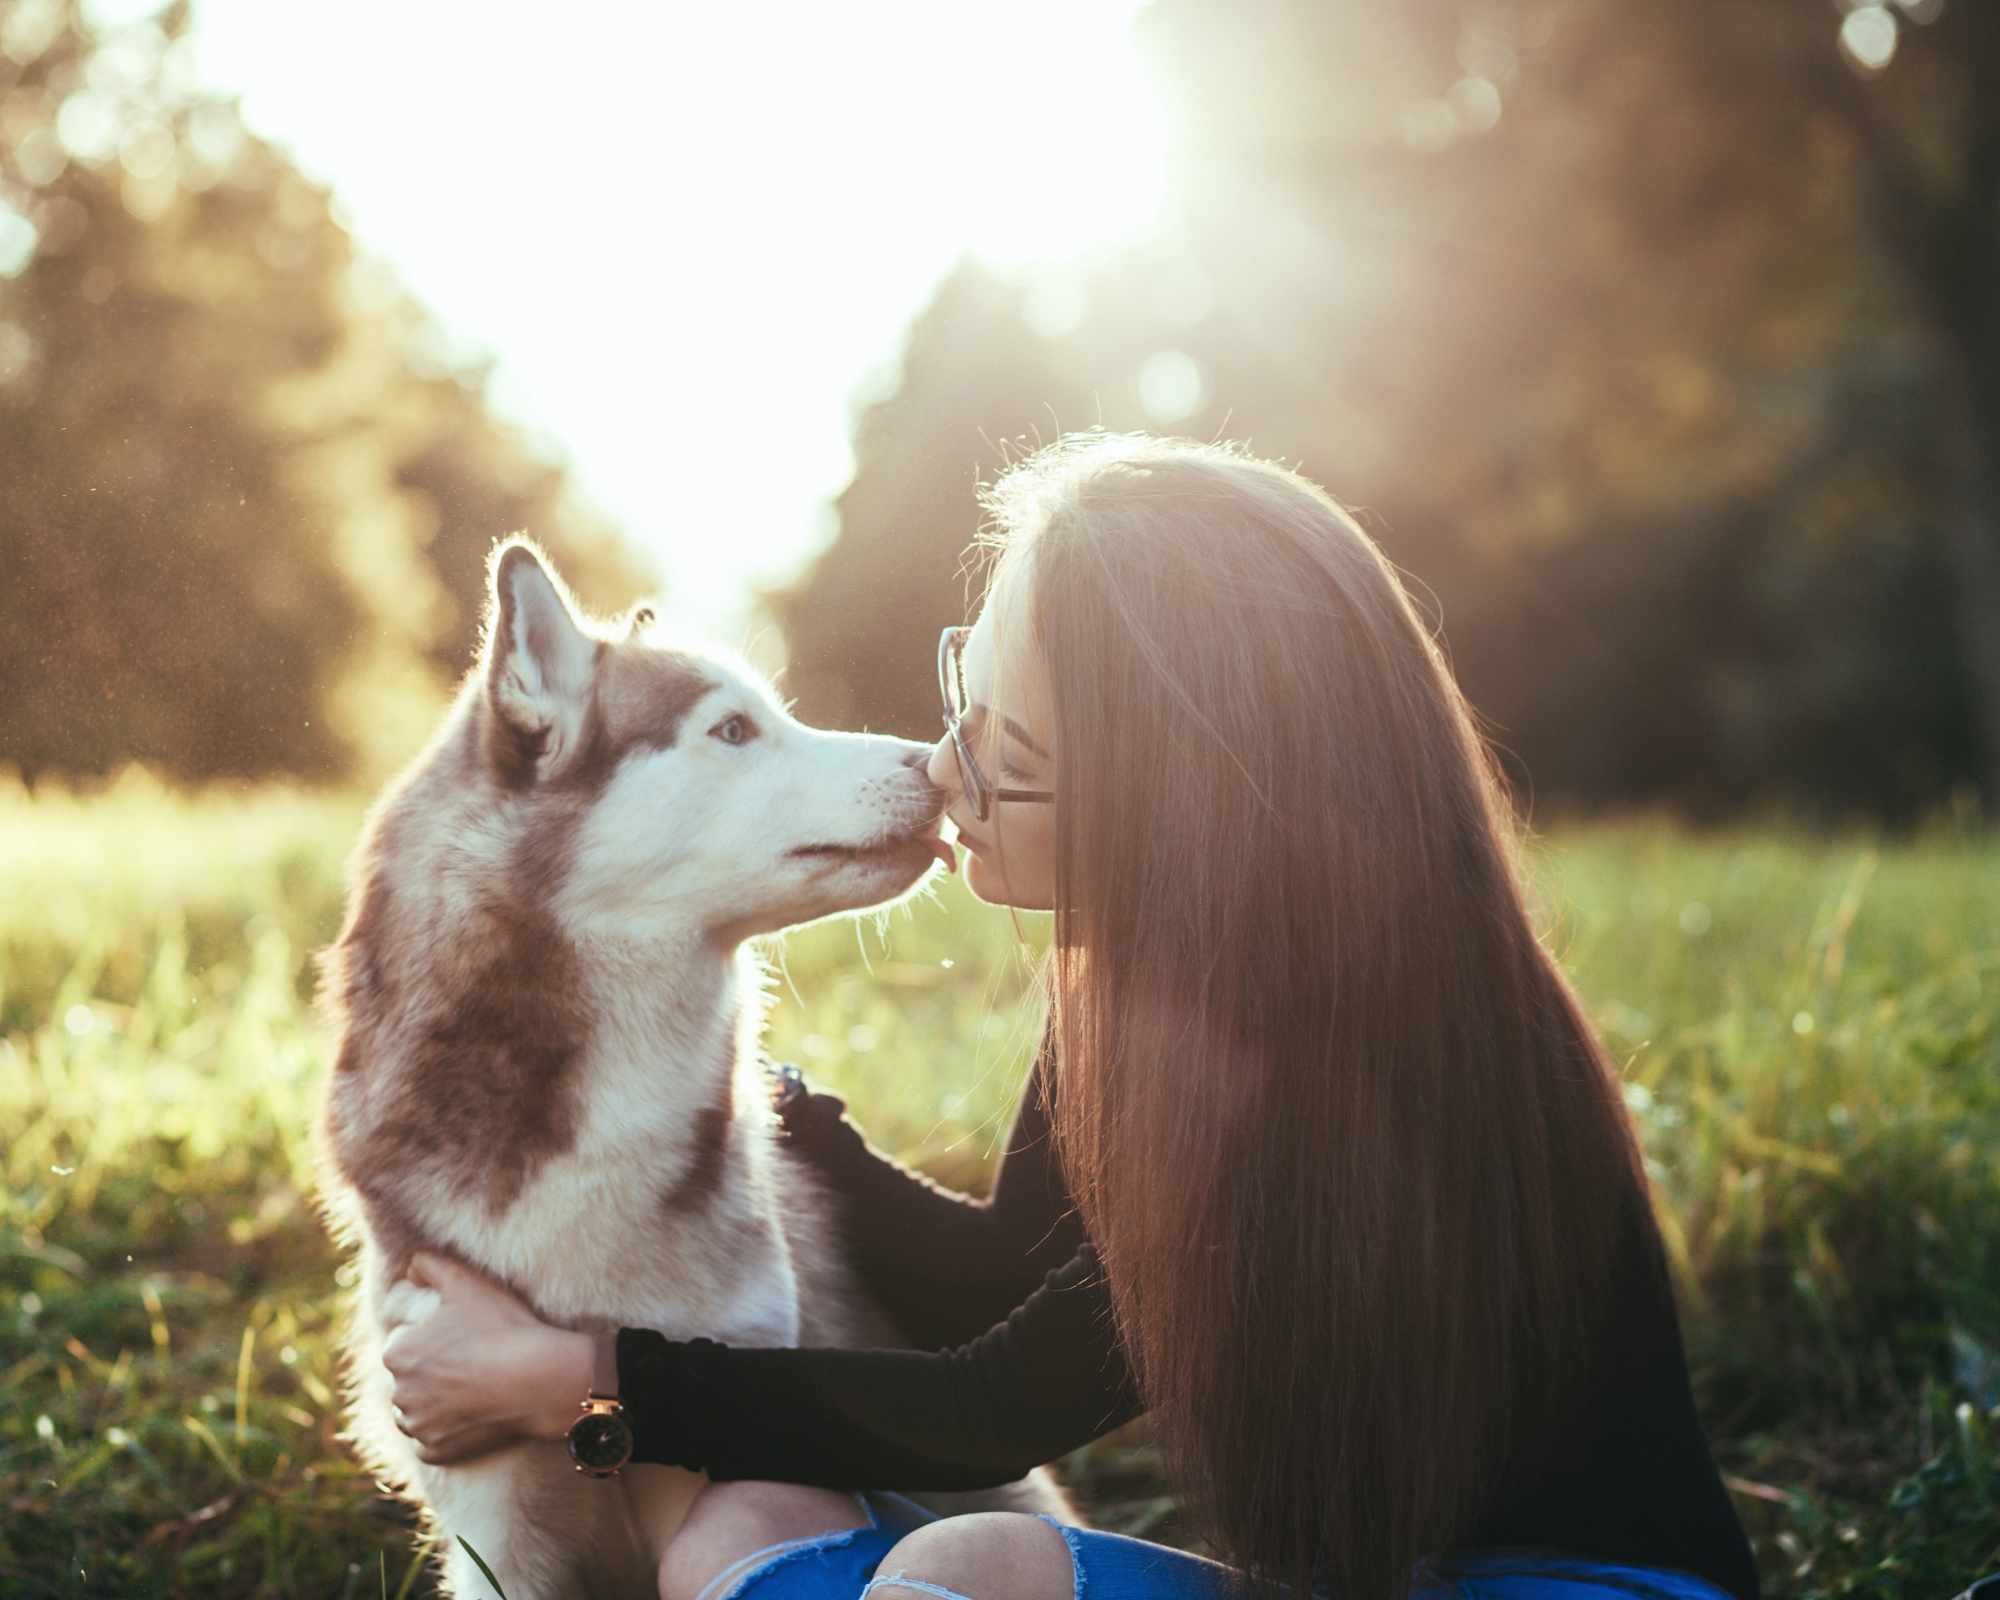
(951, 680)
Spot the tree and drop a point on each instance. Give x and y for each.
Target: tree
(1582, 303)
(1925, 103)
(244, 509)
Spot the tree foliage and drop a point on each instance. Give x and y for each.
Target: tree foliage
(245, 497)
(1598, 311)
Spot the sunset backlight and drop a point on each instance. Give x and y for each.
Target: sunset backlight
(689, 234)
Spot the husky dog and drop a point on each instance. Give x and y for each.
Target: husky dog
(547, 1034)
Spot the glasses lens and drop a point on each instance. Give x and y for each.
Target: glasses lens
(954, 685)
(968, 771)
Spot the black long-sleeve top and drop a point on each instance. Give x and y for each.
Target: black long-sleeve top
(1016, 1363)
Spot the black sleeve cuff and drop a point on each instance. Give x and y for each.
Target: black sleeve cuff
(662, 1384)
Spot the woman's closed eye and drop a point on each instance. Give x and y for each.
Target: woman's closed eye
(983, 737)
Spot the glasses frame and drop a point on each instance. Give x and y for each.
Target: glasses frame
(951, 685)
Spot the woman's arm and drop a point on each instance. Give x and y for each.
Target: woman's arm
(944, 1266)
(1048, 1379)
(480, 1370)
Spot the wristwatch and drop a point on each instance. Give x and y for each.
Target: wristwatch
(600, 1441)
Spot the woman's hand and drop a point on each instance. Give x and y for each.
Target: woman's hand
(481, 1370)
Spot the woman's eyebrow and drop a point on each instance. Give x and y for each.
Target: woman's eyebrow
(981, 710)
(1021, 734)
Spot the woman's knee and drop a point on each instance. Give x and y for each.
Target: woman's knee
(729, 1521)
(986, 1555)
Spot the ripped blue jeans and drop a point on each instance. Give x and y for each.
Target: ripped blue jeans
(842, 1565)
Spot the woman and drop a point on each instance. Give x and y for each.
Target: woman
(1324, 1167)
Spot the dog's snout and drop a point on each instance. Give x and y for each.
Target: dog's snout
(917, 759)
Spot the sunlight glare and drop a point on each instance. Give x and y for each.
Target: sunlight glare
(1476, 104)
(1869, 37)
(1182, 293)
(689, 234)
(1172, 386)
(1062, 136)
(1429, 125)
(1054, 303)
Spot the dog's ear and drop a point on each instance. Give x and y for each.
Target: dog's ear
(540, 663)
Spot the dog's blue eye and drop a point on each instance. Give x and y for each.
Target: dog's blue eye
(733, 730)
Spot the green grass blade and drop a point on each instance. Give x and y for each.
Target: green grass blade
(243, 1386)
(479, 1561)
(416, 1566)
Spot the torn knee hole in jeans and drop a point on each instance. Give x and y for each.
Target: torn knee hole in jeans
(896, 1580)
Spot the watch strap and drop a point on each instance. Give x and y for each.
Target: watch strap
(604, 1367)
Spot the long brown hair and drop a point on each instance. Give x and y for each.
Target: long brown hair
(1350, 1153)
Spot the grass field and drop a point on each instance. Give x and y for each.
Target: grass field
(1810, 1029)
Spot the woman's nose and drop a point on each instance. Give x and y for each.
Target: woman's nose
(942, 767)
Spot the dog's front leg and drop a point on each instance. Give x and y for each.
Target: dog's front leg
(506, 1507)
(547, 1531)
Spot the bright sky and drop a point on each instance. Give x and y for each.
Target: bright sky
(689, 232)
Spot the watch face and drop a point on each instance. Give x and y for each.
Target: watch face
(600, 1442)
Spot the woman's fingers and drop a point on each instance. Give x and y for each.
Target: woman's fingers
(473, 1367)
(422, 1432)
(467, 1287)
(442, 1436)
(462, 1444)
(411, 1398)
(479, 1368)
(396, 1354)
(429, 1270)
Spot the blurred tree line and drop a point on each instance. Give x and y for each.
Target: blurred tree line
(246, 492)
(1658, 340)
